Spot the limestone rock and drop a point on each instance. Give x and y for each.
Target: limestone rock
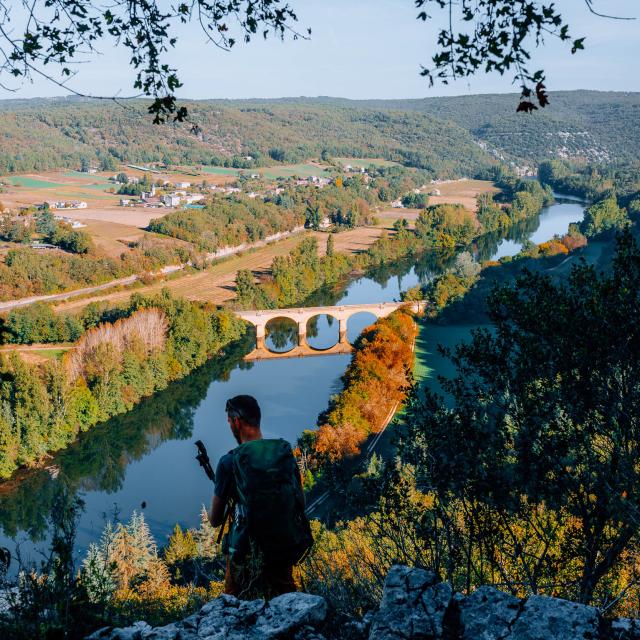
(413, 606)
(545, 618)
(292, 615)
(625, 629)
(487, 614)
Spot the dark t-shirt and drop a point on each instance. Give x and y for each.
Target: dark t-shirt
(225, 487)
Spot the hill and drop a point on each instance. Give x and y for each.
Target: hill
(46, 134)
(450, 136)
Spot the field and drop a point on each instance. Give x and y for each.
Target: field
(366, 162)
(217, 283)
(302, 170)
(37, 353)
(461, 192)
(31, 189)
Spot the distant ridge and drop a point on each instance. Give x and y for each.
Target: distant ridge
(450, 136)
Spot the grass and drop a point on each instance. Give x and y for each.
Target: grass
(49, 354)
(33, 183)
(303, 170)
(367, 162)
(428, 360)
(221, 171)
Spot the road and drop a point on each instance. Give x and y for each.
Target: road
(8, 305)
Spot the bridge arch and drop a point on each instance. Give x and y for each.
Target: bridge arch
(281, 334)
(357, 322)
(322, 331)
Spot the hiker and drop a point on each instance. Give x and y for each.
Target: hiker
(259, 490)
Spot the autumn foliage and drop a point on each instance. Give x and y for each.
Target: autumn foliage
(374, 383)
(146, 329)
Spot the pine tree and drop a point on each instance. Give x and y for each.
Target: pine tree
(330, 246)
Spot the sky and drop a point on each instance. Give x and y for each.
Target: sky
(369, 49)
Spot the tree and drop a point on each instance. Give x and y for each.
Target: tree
(330, 246)
(543, 415)
(499, 38)
(603, 216)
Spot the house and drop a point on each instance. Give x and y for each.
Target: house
(170, 200)
(256, 176)
(74, 224)
(183, 185)
(397, 204)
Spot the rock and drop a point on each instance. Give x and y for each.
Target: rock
(290, 611)
(487, 614)
(137, 631)
(545, 618)
(625, 629)
(297, 616)
(413, 606)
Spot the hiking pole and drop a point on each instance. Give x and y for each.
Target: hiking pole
(203, 460)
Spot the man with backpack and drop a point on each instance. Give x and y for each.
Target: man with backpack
(259, 491)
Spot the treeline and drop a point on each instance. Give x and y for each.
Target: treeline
(374, 383)
(292, 277)
(613, 190)
(72, 134)
(111, 367)
(228, 221)
(28, 272)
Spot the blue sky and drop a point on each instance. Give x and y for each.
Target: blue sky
(371, 49)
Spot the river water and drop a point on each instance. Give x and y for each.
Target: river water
(147, 456)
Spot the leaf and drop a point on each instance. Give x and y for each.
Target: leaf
(526, 106)
(541, 94)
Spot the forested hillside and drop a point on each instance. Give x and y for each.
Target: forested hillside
(442, 135)
(47, 134)
(590, 125)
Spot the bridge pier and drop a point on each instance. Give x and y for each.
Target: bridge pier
(302, 333)
(260, 335)
(342, 331)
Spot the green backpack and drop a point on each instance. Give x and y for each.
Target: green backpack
(270, 508)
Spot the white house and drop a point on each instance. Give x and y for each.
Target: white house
(183, 185)
(170, 200)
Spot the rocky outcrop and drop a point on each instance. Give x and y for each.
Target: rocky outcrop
(292, 615)
(414, 606)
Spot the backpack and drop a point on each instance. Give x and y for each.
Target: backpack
(270, 507)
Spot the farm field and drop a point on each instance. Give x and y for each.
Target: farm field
(462, 192)
(31, 189)
(367, 162)
(217, 283)
(303, 170)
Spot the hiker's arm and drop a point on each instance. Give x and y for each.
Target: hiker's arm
(216, 516)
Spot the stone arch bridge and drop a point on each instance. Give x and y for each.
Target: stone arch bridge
(301, 317)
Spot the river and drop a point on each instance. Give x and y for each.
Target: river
(147, 456)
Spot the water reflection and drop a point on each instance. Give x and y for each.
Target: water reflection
(281, 335)
(322, 332)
